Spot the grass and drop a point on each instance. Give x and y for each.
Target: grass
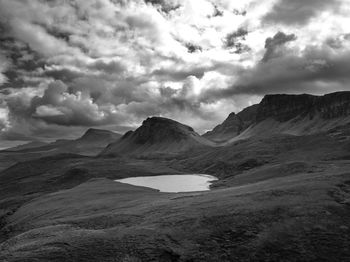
(280, 199)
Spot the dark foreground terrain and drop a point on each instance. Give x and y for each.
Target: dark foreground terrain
(283, 204)
(279, 197)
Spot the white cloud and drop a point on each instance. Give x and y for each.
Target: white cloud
(4, 118)
(4, 64)
(120, 61)
(48, 110)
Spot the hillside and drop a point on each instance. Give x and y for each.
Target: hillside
(286, 114)
(279, 197)
(90, 143)
(157, 135)
(26, 146)
(285, 198)
(233, 125)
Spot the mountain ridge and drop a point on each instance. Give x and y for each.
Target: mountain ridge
(233, 125)
(287, 114)
(90, 143)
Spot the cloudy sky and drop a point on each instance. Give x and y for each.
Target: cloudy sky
(66, 65)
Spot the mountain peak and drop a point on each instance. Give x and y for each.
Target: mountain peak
(98, 134)
(157, 135)
(165, 123)
(93, 130)
(96, 131)
(160, 129)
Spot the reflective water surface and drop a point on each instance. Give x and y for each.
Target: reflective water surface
(172, 183)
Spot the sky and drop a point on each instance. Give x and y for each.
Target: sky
(67, 65)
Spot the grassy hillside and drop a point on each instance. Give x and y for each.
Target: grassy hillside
(282, 198)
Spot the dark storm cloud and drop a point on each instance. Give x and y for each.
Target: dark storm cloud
(298, 12)
(100, 67)
(237, 12)
(273, 45)
(233, 38)
(64, 74)
(180, 74)
(72, 64)
(111, 67)
(165, 5)
(339, 41)
(22, 61)
(192, 48)
(217, 11)
(316, 70)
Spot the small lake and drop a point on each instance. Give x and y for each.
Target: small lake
(172, 183)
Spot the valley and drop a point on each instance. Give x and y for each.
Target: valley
(282, 194)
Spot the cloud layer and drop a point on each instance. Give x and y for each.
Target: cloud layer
(68, 65)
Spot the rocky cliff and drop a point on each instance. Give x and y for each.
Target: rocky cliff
(290, 114)
(286, 107)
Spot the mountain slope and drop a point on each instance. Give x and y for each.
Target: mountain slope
(233, 125)
(91, 143)
(286, 107)
(29, 145)
(286, 114)
(93, 135)
(299, 115)
(157, 135)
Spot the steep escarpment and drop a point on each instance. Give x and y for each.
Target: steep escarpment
(157, 135)
(333, 105)
(300, 114)
(286, 107)
(286, 114)
(233, 125)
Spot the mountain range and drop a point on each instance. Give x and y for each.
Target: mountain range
(282, 194)
(285, 114)
(275, 114)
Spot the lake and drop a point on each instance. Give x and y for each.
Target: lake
(172, 183)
